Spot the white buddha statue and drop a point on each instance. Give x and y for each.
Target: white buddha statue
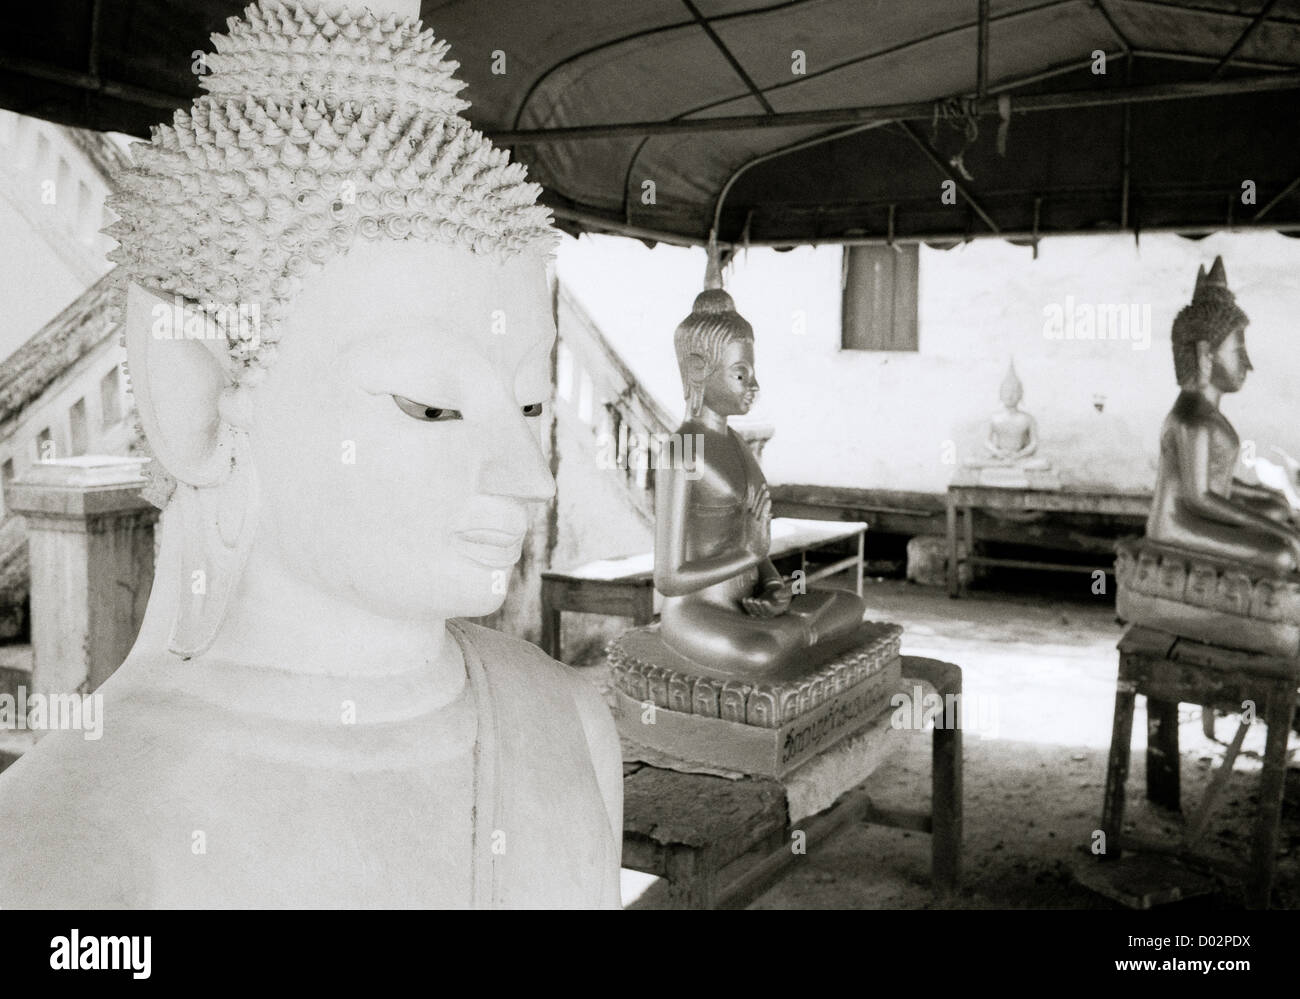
(1010, 445)
(301, 723)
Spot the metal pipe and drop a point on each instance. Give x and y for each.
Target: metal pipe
(1259, 215)
(1021, 235)
(914, 110)
(982, 51)
(85, 81)
(1243, 38)
(948, 172)
(1035, 235)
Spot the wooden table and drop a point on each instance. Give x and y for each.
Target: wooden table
(721, 843)
(624, 587)
(1080, 498)
(1169, 670)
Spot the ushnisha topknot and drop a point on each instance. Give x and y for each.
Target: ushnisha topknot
(319, 128)
(712, 324)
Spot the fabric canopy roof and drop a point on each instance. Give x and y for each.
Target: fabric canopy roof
(803, 120)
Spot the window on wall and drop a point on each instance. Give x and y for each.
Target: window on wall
(110, 398)
(879, 298)
(77, 426)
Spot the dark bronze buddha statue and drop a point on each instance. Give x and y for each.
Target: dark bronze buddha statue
(1198, 504)
(727, 607)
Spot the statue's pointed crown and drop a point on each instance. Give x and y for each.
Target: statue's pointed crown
(1212, 287)
(320, 125)
(1010, 392)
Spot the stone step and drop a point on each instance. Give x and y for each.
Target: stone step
(15, 668)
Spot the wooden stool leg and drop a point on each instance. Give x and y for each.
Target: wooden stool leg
(1121, 737)
(945, 808)
(550, 624)
(968, 527)
(954, 589)
(1163, 777)
(1263, 852)
(691, 879)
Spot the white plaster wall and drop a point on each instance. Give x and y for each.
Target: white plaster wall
(889, 420)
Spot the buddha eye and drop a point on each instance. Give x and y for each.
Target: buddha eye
(429, 414)
(534, 410)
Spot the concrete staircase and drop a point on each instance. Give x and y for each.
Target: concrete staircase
(15, 672)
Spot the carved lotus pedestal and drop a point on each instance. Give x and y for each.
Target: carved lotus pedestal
(688, 717)
(1208, 600)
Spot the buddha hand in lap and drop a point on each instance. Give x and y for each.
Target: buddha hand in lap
(1198, 504)
(726, 606)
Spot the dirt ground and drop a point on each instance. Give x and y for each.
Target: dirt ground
(1039, 676)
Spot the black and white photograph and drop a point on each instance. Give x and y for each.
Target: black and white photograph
(651, 454)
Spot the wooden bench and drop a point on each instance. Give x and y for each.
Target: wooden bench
(964, 500)
(624, 587)
(720, 843)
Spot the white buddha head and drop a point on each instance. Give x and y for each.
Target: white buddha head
(371, 423)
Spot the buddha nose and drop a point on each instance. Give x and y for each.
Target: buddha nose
(514, 464)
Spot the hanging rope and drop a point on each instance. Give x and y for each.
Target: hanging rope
(959, 112)
(1004, 113)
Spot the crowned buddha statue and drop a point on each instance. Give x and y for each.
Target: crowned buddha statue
(1213, 542)
(303, 721)
(736, 642)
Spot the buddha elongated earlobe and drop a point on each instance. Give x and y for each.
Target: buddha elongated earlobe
(218, 524)
(695, 399)
(196, 421)
(695, 371)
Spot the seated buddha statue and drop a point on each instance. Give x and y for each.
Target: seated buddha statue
(1013, 433)
(1198, 503)
(726, 607)
(303, 721)
(1010, 446)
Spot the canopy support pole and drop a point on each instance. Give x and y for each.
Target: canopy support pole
(1259, 215)
(1243, 38)
(1126, 150)
(745, 78)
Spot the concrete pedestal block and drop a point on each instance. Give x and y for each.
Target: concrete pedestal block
(90, 540)
(927, 560)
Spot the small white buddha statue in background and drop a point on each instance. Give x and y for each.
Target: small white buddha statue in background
(1013, 433)
(1010, 444)
(301, 722)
